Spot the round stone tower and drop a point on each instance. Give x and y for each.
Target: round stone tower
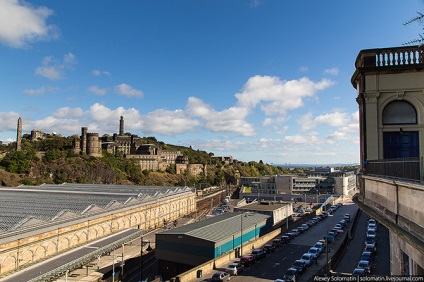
(93, 145)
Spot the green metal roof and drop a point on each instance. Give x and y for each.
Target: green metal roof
(218, 228)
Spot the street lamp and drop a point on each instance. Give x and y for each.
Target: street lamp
(246, 214)
(149, 249)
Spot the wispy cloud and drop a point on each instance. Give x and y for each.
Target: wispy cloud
(99, 73)
(127, 90)
(332, 71)
(22, 24)
(54, 70)
(97, 90)
(255, 3)
(40, 91)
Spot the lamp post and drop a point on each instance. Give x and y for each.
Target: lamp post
(141, 256)
(241, 230)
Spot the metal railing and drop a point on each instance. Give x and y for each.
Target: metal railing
(401, 168)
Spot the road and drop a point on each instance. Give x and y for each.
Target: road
(276, 264)
(353, 253)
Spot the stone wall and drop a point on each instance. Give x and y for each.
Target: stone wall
(31, 248)
(399, 203)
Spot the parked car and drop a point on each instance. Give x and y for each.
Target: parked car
(331, 236)
(300, 265)
(277, 243)
(234, 268)
(258, 254)
(269, 248)
(291, 274)
(339, 225)
(221, 276)
(366, 265)
(247, 261)
(296, 231)
(346, 217)
(320, 246)
(301, 229)
(308, 258)
(359, 272)
(343, 223)
(279, 280)
(337, 229)
(285, 239)
(313, 222)
(315, 252)
(371, 231)
(305, 226)
(323, 241)
(291, 235)
(372, 220)
(372, 226)
(367, 256)
(371, 248)
(371, 239)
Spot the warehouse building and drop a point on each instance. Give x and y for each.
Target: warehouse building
(183, 248)
(278, 211)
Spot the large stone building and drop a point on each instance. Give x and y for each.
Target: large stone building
(149, 156)
(40, 222)
(390, 87)
(320, 180)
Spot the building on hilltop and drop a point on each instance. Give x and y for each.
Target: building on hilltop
(148, 156)
(228, 160)
(390, 86)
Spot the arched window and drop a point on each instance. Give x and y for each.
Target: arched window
(399, 112)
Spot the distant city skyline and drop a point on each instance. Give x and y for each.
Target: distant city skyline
(255, 79)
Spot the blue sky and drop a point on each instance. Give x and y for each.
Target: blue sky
(255, 79)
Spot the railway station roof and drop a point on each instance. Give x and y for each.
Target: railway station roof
(26, 206)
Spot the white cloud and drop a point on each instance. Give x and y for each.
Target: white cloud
(304, 69)
(304, 139)
(68, 112)
(335, 119)
(168, 122)
(21, 24)
(8, 121)
(215, 145)
(255, 3)
(107, 120)
(54, 70)
(40, 91)
(229, 120)
(277, 96)
(59, 125)
(96, 90)
(333, 71)
(128, 90)
(271, 121)
(99, 73)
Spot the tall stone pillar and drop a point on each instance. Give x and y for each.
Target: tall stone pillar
(121, 126)
(83, 144)
(19, 135)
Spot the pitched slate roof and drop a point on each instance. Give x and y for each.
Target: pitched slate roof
(218, 228)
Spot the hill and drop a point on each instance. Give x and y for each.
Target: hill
(52, 160)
